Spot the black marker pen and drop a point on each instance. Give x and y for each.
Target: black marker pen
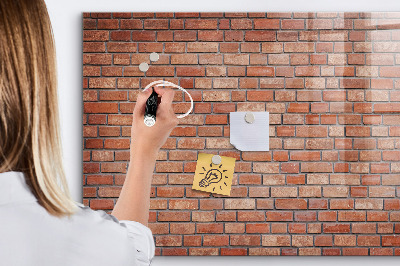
(151, 109)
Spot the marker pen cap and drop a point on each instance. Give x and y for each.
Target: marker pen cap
(149, 120)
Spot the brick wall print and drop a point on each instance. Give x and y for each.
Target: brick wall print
(329, 185)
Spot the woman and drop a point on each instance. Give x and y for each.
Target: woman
(40, 223)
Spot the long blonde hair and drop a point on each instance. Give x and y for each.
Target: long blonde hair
(29, 125)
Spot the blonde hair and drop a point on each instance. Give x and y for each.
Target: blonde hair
(29, 125)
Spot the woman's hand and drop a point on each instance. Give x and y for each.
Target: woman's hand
(151, 139)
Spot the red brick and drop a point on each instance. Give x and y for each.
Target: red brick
(276, 240)
(391, 240)
(290, 203)
(355, 251)
(336, 191)
(322, 240)
(306, 216)
(100, 107)
(369, 204)
(351, 216)
(116, 143)
(209, 228)
(259, 95)
(308, 96)
(389, 72)
(260, 228)
(232, 36)
(100, 15)
(285, 131)
(336, 228)
(357, 131)
(131, 24)
(147, 47)
(241, 24)
(354, 83)
(387, 108)
(97, 59)
(190, 71)
(285, 96)
(344, 240)
(358, 191)
(120, 35)
(191, 143)
(271, 83)
(95, 35)
(202, 47)
(254, 71)
(165, 36)
(295, 47)
(212, 240)
(94, 47)
(311, 131)
(293, 24)
(211, 35)
(173, 216)
(210, 59)
(122, 15)
(279, 216)
(121, 59)
(110, 24)
(267, 47)
(156, 24)
(287, 36)
(201, 24)
(307, 71)
(250, 47)
(266, 24)
(260, 36)
(143, 36)
(298, 108)
(102, 204)
(89, 24)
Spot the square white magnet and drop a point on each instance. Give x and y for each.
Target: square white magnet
(247, 136)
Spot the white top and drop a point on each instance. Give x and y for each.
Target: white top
(29, 235)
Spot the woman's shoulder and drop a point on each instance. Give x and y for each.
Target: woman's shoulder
(101, 216)
(86, 212)
(137, 235)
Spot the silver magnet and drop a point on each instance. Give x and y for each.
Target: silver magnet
(216, 159)
(154, 57)
(144, 67)
(249, 118)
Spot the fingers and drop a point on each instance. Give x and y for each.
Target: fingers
(165, 106)
(142, 97)
(160, 91)
(167, 96)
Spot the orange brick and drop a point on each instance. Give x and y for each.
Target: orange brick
(290, 203)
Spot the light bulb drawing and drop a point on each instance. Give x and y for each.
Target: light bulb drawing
(213, 176)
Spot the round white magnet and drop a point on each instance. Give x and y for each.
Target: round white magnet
(154, 57)
(216, 159)
(249, 118)
(144, 67)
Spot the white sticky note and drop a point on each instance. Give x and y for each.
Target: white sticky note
(249, 136)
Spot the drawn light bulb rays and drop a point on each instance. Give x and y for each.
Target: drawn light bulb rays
(213, 176)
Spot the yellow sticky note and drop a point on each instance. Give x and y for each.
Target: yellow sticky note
(214, 178)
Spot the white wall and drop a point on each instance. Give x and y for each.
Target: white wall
(66, 17)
